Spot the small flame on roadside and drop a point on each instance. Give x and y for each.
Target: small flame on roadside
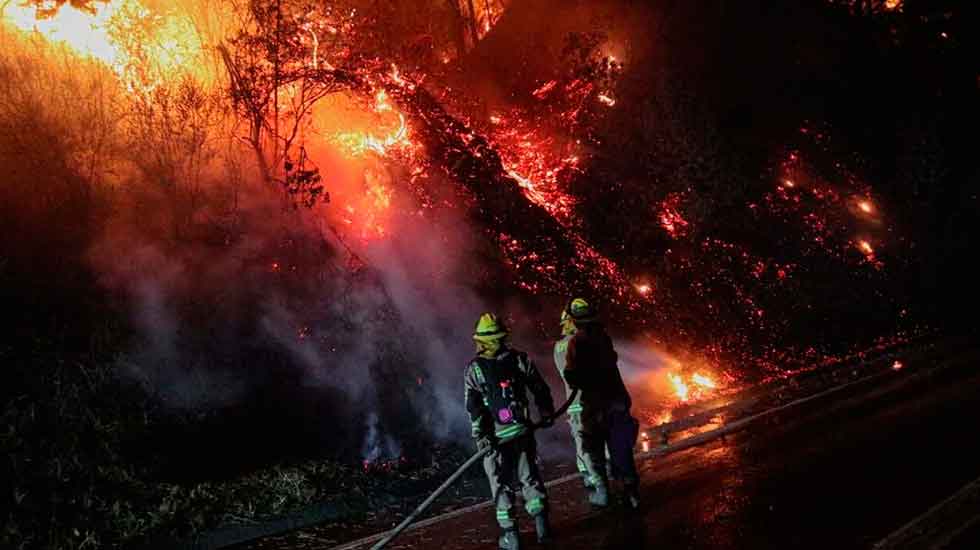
(680, 388)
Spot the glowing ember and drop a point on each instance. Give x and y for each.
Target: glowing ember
(670, 217)
(644, 289)
(893, 4)
(680, 388)
(606, 100)
(789, 183)
(542, 91)
(703, 381)
(897, 365)
(865, 206)
(865, 247)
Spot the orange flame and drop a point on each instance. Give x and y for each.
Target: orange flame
(703, 381)
(140, 46)
(680, 388)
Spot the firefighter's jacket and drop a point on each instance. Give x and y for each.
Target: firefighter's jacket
(561, 349)
(591, 366)
(497, 394)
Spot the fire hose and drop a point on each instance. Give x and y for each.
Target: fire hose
(462, 469)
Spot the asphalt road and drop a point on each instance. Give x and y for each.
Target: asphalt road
(839, 474)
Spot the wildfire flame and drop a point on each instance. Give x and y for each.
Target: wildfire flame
(680, 388)
(703, 381)
(357, 144)
(141, 47)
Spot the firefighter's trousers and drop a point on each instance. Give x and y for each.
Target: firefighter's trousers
(608, 432)
(514, 462)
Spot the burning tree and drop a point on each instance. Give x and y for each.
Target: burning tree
(280, 63)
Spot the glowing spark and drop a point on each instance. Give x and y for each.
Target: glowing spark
(703, 381)
(541, 92)
(644, 289)
(680, 388)
(897, 365)
(865, 247)
(789, 183)
(892, 4)
(381, 104)
(865, 206)
(606, 100)
(495, 119)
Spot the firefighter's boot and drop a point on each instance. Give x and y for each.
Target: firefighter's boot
(631, 495)
(509, 540)
(599, 497)
(542, 527)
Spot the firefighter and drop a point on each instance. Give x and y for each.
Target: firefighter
(497, 382)
(605, 432)
(575, 409)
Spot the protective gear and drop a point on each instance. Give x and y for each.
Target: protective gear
(509, 540)
(489, 335)
(631, 495)
(496, 391)
(575, 409)
(580, 311)
(489, 328)
(599, 497)
(604, 430)
(542, 527)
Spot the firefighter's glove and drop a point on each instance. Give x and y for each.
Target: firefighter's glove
(489, 442)
(547, 419)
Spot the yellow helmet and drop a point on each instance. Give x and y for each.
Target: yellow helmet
(489, 328)
(579, 311)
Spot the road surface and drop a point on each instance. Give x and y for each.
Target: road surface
(865, 468)
(843, 474)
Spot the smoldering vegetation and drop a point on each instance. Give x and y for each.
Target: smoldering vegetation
(184, 335)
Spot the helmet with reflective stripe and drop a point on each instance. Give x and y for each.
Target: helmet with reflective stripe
(489, 328)
(579, 311)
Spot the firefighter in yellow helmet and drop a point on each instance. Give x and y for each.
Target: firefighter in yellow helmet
(604, 430)
(497, 383)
